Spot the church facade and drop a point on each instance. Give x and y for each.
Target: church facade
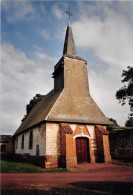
(66, 127)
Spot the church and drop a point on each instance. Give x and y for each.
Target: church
(66, 127)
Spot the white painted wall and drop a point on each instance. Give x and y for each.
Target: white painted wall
(91, 129)
(73, 126)
(39, 137)
(47, 136)
(52, 139)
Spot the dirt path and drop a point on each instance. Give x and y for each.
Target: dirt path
(85, 179)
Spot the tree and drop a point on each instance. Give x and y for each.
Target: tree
(129, 122)
(113, 126)
(37, 98)
(126, 92)
(113, 121)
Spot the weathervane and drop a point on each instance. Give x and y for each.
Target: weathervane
(69, 13)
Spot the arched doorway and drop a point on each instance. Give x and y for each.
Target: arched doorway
(82, 150)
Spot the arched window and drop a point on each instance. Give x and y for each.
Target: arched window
(31, 140)
(22, 144)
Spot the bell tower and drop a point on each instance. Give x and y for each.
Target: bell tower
(74, 103)
(60, 73)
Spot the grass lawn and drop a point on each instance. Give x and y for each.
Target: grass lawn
(20, 167)
(122, 162)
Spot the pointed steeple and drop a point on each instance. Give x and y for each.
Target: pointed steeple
(69, 45)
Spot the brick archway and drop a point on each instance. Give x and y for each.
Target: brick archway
(82, 150)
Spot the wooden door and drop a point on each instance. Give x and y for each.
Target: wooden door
(82, 150)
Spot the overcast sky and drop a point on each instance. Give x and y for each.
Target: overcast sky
(32, 43)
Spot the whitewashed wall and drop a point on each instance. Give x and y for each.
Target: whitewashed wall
(39, 138)
(47, 136)
(73, 127)
(52, 139)
(91, 129)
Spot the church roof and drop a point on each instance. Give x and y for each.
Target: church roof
(53, 103)
(73, 103)
(75, 109)
(39, 112)
(69, 45)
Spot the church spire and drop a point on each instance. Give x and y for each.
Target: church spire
(69, 45)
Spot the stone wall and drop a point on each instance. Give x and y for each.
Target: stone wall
(52, 139)
(52, 145)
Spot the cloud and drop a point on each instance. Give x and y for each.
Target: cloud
(103, 88)
(18, 10)
(44, 57)
(19, 35)
(57, 12)
(45, 34)
(37, 48)
(103, 31)
(21, 79)
(106, 35)
(111, 39)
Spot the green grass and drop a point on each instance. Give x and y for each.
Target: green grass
(123, 163)
(20, 167)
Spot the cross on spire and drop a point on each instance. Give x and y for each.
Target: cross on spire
(69, 45)
(69, 13)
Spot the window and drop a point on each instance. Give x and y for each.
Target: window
(22, 144)
(3, 148)
(16, 142)
(31, 140)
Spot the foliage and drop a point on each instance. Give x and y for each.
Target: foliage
(126, 92)
(37, 98)
(129, 122)
(19, 167)
(123, 163)
(115, 124)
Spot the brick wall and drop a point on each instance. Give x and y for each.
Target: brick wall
(121, 144)
(99, 143)
(102, 142)
(68, 148)
(106, 148)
